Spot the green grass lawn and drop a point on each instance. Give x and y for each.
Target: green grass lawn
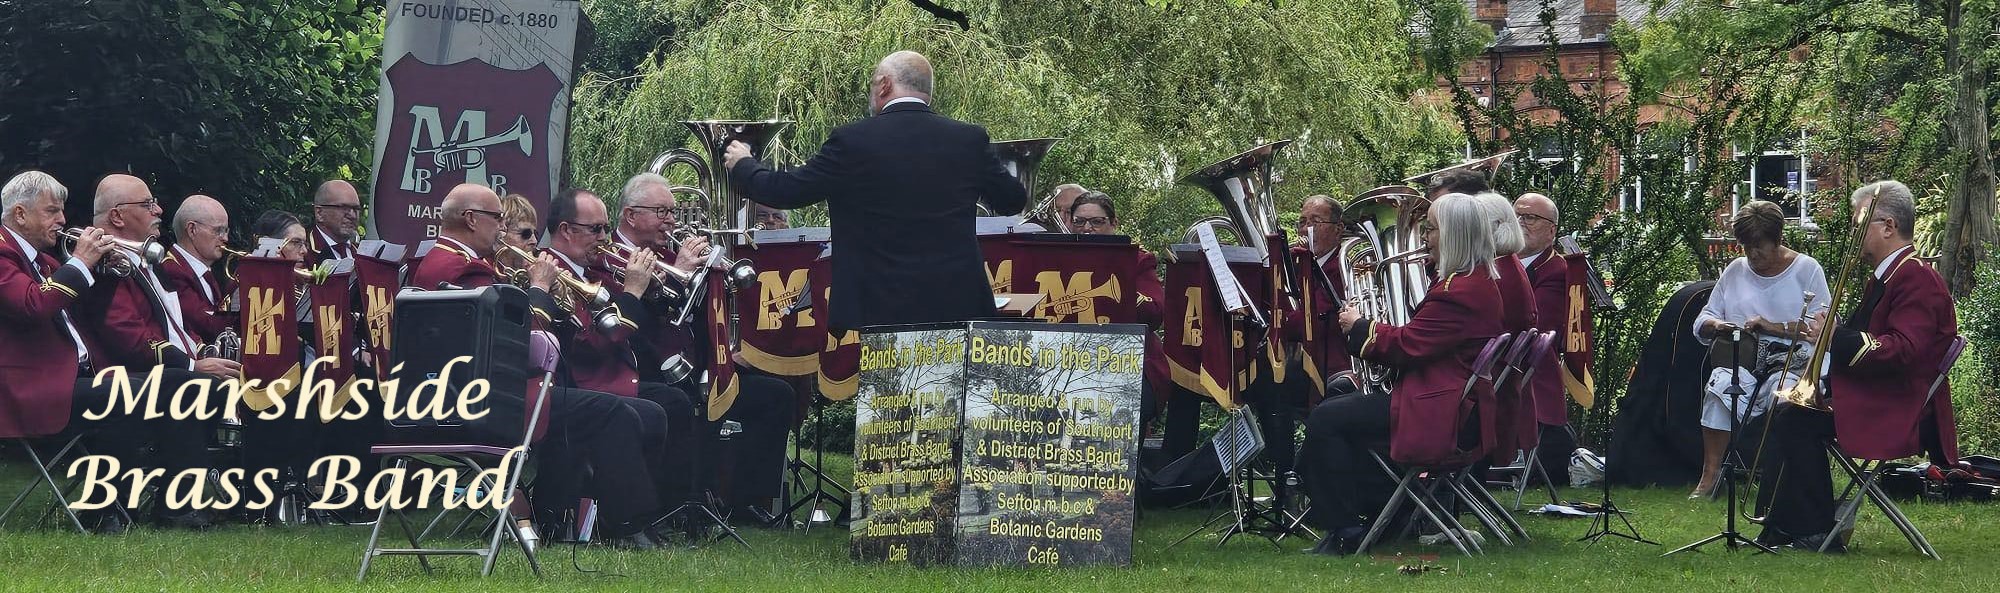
(242, 558)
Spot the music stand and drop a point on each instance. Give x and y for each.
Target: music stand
(803, 472)
(1237, 443)
(1729, 536)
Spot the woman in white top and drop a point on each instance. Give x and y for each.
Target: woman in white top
(1761, 294)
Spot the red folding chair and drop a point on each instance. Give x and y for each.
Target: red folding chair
(1420, 481)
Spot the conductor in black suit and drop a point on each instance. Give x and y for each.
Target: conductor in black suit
(901, 190)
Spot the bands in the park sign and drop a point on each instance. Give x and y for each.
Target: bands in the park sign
(472, 92)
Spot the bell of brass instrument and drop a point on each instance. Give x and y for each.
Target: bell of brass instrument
(149, 252)
(227, 345)
(620, 256)
(717, 204)
(574, 291)
(1807, 393)
(1243, 184)
(1380, 260)
(1022, 158)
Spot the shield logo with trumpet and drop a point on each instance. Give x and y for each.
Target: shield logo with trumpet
(469, 122)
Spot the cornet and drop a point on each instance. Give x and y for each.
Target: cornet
(595, 298)
(591, 293)
(150, 253)
(620, 256)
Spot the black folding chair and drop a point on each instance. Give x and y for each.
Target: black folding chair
(1865, 475)
(44, 479)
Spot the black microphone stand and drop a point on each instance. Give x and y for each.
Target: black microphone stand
(1729, 536)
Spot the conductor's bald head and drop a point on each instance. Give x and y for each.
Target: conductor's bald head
(901, 74)
(472, 216)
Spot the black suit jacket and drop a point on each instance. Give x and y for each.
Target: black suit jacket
(901, 191)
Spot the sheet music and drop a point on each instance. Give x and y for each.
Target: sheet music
(267, 247)
(1233, 297)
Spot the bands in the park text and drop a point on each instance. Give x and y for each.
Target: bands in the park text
(1062, 356)
(476, 15)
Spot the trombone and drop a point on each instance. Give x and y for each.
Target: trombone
(149, 252)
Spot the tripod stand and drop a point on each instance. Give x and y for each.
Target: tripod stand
(697, 511)
(1600, 525)
(822, 488)
(1729, 536)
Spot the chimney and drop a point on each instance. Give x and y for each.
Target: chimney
(1491, 12)
(1598, 15)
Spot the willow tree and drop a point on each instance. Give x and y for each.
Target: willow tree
(1140, 93)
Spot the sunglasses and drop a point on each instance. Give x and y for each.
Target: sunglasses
(595, 229)
(496, 215)
(525, 234)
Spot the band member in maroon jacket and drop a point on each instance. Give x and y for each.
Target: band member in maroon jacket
(1319, 229)
(1093, 214)
(587, 429)
(53, 348)
(134, 320)
(201, 229)
(1548, 272)
(336, 221)
(1434, 354)
(1517, 314)
(764, 404)
(1884, 358)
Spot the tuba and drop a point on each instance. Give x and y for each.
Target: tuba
(1384, 279)
(1243, 183)
(716, 203)
(1022, 158)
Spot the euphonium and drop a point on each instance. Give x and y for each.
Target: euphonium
(1378, 263)
(1807, 393)
(149, 252)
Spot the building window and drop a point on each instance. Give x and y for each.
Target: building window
(1780, 174)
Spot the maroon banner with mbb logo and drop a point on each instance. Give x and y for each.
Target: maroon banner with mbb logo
(776, 338)
(270, 327)
(470, 94)
(1080, 282)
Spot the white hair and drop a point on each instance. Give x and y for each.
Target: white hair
(29, 186)
(1465, 235)
(638, 183)
(1893, 201)
(1507, 236)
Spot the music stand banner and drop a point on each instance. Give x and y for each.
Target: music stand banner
(777, 337)
(270, 327)
(997, 444)
(471, 93)
(1579, 336)
(1206, 352)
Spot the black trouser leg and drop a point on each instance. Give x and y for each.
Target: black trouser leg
(598, 430)
(1344, 483)
(653, 448)
(1183, 422)
(176, 445)
(676, 465)
(756, 458)
(1796, 472)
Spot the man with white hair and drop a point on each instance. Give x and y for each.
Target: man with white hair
(201, 230)
(902, 190)
(1883, 360)
(1064, 199)
(1548, 273)
(50, 357)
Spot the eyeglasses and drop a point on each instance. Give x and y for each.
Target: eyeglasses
(497, 217)
(594, 229)
(1527, 217)
(525, 234)
(218, 229)
(657, 211)
(1313, 221)
(348, 208)
(147, 203)
(1090, 223)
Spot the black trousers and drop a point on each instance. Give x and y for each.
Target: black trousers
(1796, 474)
(747, 470)
(675, 461)
(594, 447)
(135, 441)
(1346, 486)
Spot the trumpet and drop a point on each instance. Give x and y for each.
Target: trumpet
(620, 256)
(150, 253)
(593, 294)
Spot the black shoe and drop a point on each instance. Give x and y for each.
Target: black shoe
(103, 522)
(190, 520)
(1772, 537)
(756, 517)
(1340, 542)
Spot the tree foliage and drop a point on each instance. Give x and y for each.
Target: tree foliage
(1140, 93)
(250, 101)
